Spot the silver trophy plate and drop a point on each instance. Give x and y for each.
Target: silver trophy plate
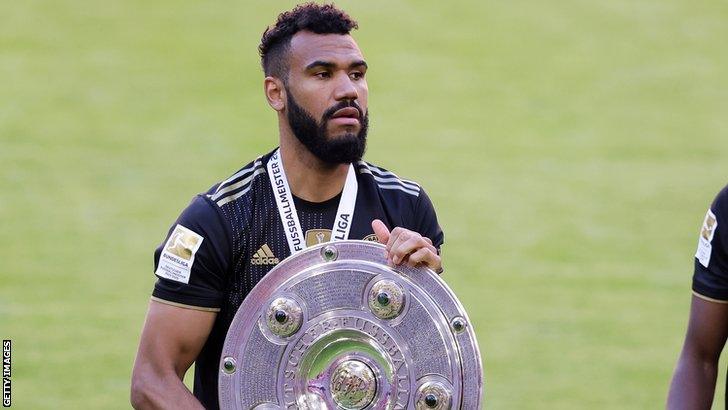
(334, 327)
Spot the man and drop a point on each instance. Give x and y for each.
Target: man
(304, 193)
(693, 384)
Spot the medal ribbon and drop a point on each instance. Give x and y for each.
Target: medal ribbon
(287, 208)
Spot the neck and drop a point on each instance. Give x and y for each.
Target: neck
(310, 178)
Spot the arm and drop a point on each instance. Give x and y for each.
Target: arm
(693, 383)
(171, 340)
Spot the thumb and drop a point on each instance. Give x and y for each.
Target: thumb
(380, 229)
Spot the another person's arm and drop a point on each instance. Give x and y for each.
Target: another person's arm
(693, 383)
(171, 340)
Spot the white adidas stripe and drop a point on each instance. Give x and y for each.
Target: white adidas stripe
(240, 173)
(242, 182)
(388, 180)
(391, 180)
(384, 179)
(390, 175)
(399, 188)
(229, 198)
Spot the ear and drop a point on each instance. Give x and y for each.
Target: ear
(275, 93)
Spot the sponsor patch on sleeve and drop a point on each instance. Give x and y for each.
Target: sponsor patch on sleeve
(178, 255)
(705, 247)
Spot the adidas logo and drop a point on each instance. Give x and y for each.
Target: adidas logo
(264, 256)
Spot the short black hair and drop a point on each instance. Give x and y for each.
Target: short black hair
(317, 18)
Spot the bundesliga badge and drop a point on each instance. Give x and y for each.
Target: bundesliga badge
(334, 327)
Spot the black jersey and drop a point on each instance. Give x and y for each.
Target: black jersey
(710, 280)
(227, 239)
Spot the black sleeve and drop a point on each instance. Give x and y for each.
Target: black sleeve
(710, 279)
(426, 220)
(192, 262)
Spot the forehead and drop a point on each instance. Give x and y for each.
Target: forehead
(307, 47)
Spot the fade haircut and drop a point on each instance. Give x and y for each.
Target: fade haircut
(276, 40)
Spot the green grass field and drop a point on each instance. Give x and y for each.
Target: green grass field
(571, 149)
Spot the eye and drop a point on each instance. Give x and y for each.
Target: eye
(356, 75)
(323, 74)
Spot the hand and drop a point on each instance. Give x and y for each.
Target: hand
(407, 247)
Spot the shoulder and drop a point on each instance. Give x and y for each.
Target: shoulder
(720, 203)
(404, 198)
(407, 199)
(710, 278)
(714, 223)
(238, 185)
(203, 218)
(389, 182)
(716, 216)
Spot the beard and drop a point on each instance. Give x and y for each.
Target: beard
(338, 149)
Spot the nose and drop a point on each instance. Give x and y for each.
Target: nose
(345, 89)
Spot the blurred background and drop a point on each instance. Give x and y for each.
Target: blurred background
(571, 149)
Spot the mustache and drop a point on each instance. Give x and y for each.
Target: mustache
(328, 114)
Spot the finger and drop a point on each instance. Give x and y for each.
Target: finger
(430, 246)
(380, 229)
(425, 256)
(422, 242)
(384, 237)
(394, 236)
(399, 236)
(422, 255)
(404, 248)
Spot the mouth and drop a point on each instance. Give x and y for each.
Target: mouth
(347, 117)
(348, 112)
